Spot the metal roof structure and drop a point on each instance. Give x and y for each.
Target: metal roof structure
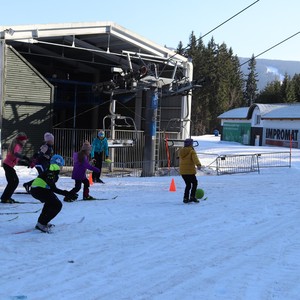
(236, 113)
(97, 45)
(92, 67)
(267, 111)
(283, 111)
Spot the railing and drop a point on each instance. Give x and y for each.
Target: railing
(136, 169)
(128, 161)
(275, 159)
(68, 141)
(244, 163)
(229, 164)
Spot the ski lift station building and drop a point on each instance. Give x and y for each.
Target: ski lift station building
(263, 124)
(72, 77)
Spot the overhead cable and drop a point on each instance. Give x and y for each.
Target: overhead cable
(270, 48)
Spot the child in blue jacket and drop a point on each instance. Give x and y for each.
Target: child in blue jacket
(80, 165)
(99, 153)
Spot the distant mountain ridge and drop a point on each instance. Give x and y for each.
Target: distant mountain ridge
(269, 70)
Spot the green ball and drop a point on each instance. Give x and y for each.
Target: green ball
(199, 193)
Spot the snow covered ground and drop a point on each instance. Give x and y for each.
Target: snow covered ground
(241, 244)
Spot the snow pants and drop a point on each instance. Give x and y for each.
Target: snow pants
(86, 185)
(98, 164)
(12, 182)
(191, 184)
(52, 205)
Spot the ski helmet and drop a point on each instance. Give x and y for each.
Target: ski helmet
(58, 160)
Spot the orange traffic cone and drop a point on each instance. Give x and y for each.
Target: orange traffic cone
(172, 186)
(91, 179)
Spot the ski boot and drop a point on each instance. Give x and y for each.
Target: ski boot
(9, 201)
(27, 187)
(43, 228)
(194, 199)
(89, 198)
(186, 200)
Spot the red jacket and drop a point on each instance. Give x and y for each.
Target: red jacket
(11, 159)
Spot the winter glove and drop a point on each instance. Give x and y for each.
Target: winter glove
(44, 149)
(199, 167)
(24, 161)
(32, 163)
(26, 158)
(71, 195)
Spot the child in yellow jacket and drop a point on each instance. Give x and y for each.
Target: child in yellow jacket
(188, 159)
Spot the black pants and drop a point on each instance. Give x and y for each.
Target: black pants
(12, 182)
(52, 205)
(86, 185)
(190, 182)
(98, 164)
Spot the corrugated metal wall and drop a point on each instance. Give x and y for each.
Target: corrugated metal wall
(27, 101)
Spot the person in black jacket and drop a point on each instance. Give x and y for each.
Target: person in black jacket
(41, 159)
(43, 188)
(99, 153)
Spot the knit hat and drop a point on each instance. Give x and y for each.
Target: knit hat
(188, 142)
(86, 146)
(48, 137)
(21, 136)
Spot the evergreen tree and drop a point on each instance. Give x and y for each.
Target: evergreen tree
(236, 83)
(191, 51)
(296, 83)
(271, 93)
(180, 49)
(251, 90)
(221, 80)
(287, 90)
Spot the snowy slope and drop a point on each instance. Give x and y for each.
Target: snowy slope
(242, 243)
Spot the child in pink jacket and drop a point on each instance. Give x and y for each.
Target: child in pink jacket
(14, 154)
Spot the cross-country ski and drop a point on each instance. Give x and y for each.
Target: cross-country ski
(51, 228)
(20, 212)
(10, 219)
(98, 199)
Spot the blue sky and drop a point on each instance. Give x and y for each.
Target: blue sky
(263, 25)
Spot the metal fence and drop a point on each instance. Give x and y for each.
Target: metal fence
(137, 169)
(243, 163)
(128, 160)
(228, 164)
(68, 141)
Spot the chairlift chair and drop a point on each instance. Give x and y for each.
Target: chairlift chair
(128, 122)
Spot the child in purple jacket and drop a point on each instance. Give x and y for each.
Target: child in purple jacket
(80, 165)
